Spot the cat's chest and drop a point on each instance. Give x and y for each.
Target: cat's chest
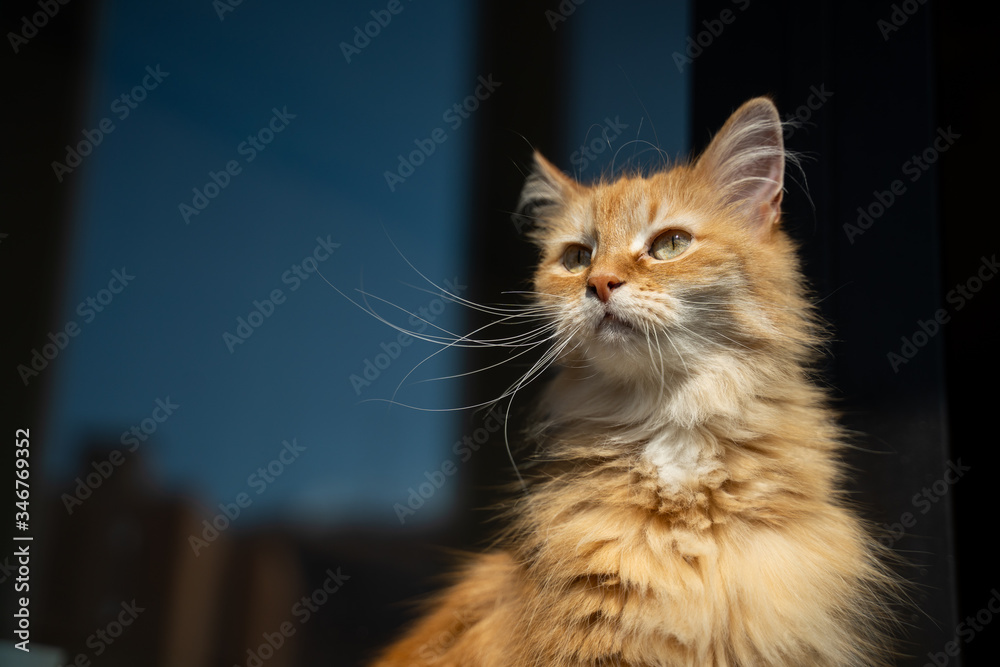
(681, 458)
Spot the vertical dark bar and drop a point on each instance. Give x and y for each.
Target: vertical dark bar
(866, 95)
(45, 63)
(967, 100)
(523, 48)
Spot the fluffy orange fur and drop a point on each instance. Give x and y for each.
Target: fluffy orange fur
(684, 507)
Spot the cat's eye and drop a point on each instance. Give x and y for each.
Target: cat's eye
(576, 258)
(670, 244)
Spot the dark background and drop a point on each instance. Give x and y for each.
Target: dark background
(889, 97)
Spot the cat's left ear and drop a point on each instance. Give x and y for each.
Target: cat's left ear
(544, 194)
(746, 162)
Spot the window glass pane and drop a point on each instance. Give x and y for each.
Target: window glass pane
(226, 162)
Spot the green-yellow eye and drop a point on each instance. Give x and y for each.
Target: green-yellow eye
(670, 244)
(576, 258)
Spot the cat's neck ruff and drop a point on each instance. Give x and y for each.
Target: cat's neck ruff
(676, 421)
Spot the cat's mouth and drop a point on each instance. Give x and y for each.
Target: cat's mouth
(612, 323)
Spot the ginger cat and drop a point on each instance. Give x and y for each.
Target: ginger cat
(684, 505)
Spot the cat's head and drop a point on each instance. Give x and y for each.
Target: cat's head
(657, 277)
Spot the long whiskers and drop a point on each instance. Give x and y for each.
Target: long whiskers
(537, 314)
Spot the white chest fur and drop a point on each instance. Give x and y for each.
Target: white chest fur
(681, 456)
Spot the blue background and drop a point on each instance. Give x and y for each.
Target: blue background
(321, 176)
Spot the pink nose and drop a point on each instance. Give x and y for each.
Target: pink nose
(603, 283)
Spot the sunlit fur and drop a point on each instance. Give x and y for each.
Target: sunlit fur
(684, 507)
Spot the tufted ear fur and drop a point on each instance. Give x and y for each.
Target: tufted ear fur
(746, 163)
(545, 191)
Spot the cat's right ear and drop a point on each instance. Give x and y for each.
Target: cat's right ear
(746, 163)
(546, 190)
